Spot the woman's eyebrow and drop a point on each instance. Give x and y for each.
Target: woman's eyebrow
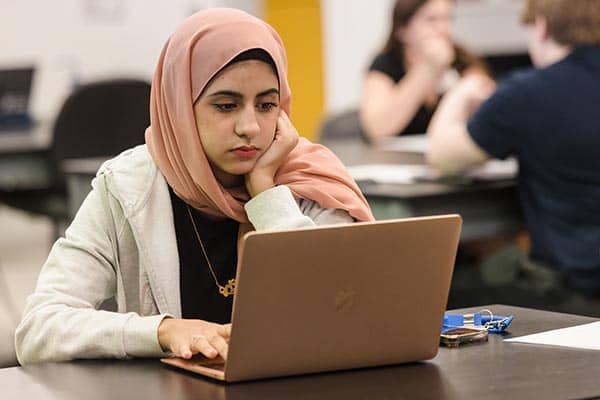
(229, 93)
(237, 95)
(268, 92)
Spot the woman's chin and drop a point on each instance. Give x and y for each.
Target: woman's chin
(234, 176)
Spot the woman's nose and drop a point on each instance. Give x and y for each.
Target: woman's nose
(247, 123)
(444, 28)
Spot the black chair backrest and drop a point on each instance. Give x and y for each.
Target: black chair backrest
(342, 126)
(101, 119)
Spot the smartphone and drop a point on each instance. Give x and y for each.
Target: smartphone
(456, 336)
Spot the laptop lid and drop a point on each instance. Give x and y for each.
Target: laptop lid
(339, 297)
(15, 92)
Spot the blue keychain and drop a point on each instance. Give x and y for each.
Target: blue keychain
(485, 319)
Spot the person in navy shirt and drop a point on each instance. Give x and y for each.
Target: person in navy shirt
(548, 119)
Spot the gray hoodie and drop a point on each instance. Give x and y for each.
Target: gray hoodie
(122, 244)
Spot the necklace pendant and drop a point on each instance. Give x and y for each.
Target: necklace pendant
(229, 289)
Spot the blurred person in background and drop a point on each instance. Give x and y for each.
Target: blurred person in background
(418, 64)
(547, 117)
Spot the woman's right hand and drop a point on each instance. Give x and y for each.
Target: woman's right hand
(436, 52)
(262, 176)
(186, 337)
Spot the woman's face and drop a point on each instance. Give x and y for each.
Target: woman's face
(433, 19)
(236, 116)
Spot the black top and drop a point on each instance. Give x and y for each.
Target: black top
(548, 118)
(200, 297)
(393, 67)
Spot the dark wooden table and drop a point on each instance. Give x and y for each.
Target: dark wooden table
(492, 370)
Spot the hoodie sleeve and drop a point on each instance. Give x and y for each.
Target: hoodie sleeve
(276, 209)
(61, 320)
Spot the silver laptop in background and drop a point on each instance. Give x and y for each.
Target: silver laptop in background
(337, 297)
(15, 93)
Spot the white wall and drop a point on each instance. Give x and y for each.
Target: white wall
(491, 26)
(80, 40)
(355, 30)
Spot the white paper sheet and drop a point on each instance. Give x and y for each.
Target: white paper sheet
(491, 170)
(410, 173)
(388, 173)
(408, 143)
(495, 170)
(585, 336)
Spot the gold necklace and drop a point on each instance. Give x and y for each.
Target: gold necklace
(229, 288)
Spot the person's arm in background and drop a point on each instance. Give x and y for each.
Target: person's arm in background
(451, 149)
(386, 107)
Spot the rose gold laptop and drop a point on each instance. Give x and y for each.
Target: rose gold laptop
(337, 297)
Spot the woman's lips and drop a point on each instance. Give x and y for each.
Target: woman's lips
(245, 151)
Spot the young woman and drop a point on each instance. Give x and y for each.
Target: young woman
(418, 64)
(159, 230)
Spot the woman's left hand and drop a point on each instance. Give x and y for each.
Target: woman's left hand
(262, 175)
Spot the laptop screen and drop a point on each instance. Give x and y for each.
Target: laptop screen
(15, 90)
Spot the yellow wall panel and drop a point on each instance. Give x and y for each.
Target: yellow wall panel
(299, 24)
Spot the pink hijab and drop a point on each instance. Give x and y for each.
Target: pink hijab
(203, 44)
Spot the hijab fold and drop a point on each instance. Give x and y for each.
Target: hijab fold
(203, 45)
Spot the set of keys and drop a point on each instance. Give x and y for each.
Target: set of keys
(484, 319)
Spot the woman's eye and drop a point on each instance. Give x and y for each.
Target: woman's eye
(225, 106)
(268, 106)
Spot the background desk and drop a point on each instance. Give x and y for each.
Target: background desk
(79, 173)
(493, 370)
(24, 158)
(489, 209)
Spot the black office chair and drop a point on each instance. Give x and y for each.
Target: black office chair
(99, 119)
(102, 119)
(345, 125)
